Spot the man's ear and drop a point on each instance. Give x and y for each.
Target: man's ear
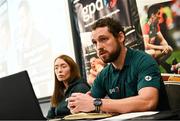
(121, 37)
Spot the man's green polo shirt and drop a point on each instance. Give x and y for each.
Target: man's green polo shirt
(139, 70)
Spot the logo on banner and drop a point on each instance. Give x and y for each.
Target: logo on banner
(90, 9)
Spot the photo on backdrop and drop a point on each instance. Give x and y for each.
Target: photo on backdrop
(160, 27)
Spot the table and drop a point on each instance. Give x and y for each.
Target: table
(148, 115)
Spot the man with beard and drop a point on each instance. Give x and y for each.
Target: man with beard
(132, 80)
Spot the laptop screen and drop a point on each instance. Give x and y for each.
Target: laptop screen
(17, 98)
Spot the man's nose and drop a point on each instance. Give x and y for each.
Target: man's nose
(99, 46)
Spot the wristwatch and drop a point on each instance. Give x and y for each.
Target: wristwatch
(97, 104)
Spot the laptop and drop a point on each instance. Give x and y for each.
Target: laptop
(17, 98)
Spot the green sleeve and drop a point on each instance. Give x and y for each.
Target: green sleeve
(149, 74)
(98, 89)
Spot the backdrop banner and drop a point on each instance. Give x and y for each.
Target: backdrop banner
(87, 12)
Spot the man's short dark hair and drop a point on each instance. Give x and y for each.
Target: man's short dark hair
(113, 25)
(153, 9)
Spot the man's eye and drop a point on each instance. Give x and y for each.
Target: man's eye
(102, 39)
(94, 44)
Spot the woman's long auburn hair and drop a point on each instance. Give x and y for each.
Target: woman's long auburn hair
(59, 86)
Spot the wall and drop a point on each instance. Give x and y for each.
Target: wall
(45, 107)
(32, 34)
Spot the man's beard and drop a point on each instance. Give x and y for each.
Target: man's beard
(113, 56)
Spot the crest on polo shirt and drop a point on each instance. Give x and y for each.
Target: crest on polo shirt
(148, 78)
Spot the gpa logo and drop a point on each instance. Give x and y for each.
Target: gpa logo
(90, 9)
(148, 78)
(114, 90)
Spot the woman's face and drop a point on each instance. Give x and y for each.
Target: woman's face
(62, 70)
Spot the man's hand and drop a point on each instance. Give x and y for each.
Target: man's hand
(79, 102)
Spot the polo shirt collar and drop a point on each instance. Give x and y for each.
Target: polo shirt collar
(127, 60)
(128, 56)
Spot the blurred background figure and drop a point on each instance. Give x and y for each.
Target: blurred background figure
(96, 66)
(28, 36)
